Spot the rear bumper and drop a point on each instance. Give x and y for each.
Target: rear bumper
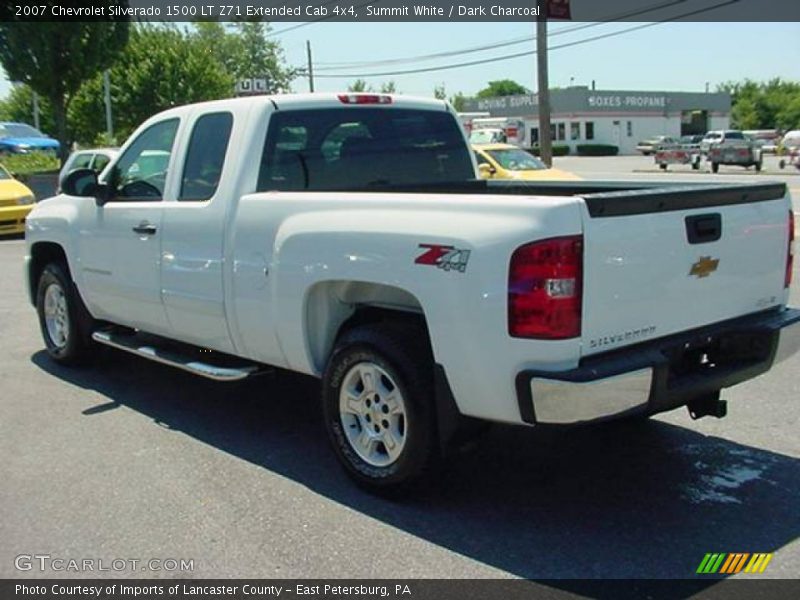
(661, 375)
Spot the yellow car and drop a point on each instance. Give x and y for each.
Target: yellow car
(505, 161)
(16, 201)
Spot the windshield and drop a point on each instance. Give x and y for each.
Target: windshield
(487, 136)
(3, 173)
(19, 130)
(734, 135)
(514, 159)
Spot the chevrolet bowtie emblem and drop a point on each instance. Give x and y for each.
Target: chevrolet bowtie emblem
(704, 267)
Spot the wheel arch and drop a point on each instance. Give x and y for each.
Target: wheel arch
(42, 254)
(334, 307)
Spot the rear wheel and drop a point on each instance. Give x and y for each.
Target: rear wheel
(379, 407)
(65, 323)
(758, 166)
(663, 166)
(714, 167)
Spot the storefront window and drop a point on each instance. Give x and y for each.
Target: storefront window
(574, 131)
(589, 130)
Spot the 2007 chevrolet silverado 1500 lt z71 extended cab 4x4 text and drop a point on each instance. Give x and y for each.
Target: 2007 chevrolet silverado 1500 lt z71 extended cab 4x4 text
(346, 237)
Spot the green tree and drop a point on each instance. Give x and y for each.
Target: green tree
(359, 85)
(162, 67)
(389, 88)
(764, 105)
(18, 106)
(244, 51)
(439, 92)
(502, 87)
(458, 100)
(56, 58)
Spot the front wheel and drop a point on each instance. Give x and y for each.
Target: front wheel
(64, 321)
(379, 407)
(715, 167)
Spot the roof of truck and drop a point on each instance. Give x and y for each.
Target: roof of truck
(324, 100)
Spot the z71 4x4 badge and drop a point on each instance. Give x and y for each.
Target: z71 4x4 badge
(448, 258)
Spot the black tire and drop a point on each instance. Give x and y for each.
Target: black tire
(77, 347)
(404, 354)
(758, 167)
(714, 167)
(663, 166)
(782, 164)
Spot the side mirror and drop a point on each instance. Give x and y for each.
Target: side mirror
(83, 183)
(80, 182)
(486, 170)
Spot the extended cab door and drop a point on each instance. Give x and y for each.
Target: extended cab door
(120, 242)
(194, 235)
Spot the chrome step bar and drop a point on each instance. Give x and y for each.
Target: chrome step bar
(135, 345)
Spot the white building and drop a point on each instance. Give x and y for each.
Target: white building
(622, 118)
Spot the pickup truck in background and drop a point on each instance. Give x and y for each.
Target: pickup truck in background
(347, 237)
(731, 148)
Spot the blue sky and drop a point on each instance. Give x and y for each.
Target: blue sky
(667, 56)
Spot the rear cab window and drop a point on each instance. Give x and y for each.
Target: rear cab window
(205, 156)
(362, 148)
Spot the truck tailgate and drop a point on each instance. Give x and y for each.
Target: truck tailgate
(657, 262)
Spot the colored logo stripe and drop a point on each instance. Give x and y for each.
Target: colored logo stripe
(758, 563)
(731, 563)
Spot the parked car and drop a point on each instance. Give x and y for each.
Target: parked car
(19, 138)
(767, 139)
(16, 201)
(690, 141)
(425, 300)
(505, 161)
(731, 147)
(720, 137)
(651, 145)
(95, 159)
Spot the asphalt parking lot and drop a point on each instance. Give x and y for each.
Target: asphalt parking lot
(134, 460)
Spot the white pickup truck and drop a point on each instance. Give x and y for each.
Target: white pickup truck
(347, 237)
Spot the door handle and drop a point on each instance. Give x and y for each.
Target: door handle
(145, 228)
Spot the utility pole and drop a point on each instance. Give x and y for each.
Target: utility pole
(107, 100)
(310, 67)
(545, 138)
(36, 110)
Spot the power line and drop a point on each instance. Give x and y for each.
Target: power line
(527, 52)
(323, 66)
(325, 18)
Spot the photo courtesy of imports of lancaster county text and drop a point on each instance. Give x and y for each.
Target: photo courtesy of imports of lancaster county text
(396, 10)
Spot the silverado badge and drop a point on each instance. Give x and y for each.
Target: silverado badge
(704, 267)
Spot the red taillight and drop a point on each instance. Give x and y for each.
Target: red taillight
(545, 288)
(790, 252)
(365, 99)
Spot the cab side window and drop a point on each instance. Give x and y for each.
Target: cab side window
(206, 156)
(141, 172)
